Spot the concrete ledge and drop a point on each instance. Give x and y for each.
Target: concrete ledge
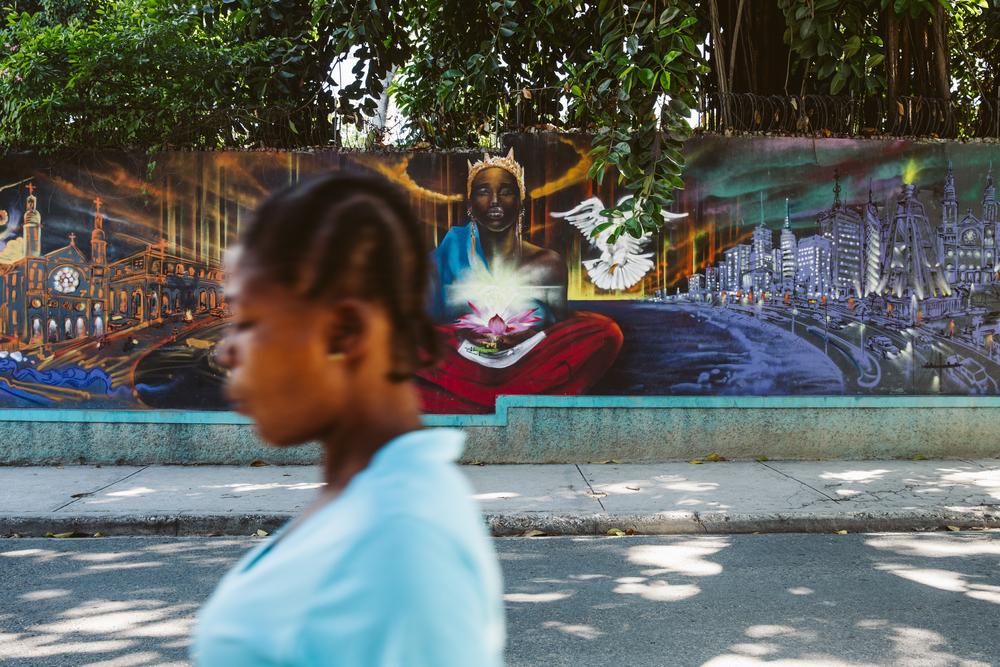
(516, 524)
(551, 429)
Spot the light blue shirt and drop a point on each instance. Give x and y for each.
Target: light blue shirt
(396, 571)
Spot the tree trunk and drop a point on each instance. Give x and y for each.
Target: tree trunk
(719, 61)
(940, 32)
(905, 81)
(734, 47)
(891, 40)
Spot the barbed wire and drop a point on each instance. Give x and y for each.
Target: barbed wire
(908, 116)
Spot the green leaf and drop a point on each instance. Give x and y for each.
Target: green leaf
(837, 84)
(600, 228)
(852, 46)
(647, 77)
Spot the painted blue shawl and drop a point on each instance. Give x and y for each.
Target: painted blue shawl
(451, 259)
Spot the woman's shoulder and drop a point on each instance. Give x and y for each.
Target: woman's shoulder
(549, 261)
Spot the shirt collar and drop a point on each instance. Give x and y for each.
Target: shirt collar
(442, 445)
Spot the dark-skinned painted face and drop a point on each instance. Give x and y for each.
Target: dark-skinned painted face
(495, 201)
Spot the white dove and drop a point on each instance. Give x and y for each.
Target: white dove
(622, 263)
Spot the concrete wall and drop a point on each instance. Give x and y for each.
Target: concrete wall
(553, 429)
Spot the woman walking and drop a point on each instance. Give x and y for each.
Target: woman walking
(391, 564)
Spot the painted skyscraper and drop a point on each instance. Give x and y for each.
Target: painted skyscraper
(842, 225)
(910, 262)
(872, 247)
(788, 260)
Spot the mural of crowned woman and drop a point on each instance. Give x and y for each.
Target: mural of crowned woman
(500, 301)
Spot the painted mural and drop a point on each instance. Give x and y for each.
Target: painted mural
(788, 267)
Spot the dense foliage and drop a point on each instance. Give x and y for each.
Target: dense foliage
(250, 73)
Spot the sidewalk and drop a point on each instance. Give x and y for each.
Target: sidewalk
(585, 499)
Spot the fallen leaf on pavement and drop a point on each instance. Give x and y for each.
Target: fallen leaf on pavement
(762, 458)
(71, 533)
(715, 458)
(918, 457)
(696, 462)
(841, 532)
(953, 529)
(534, 532)
(616, 532)
(98, 534)
(259, 464)
(261, 533)
(631, 488)
(215, 533)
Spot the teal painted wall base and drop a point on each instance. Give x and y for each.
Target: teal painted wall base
(550, 429)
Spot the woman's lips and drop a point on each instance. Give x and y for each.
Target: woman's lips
(495, 214)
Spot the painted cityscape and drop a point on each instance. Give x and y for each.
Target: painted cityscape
(787, 267)
(881, 293)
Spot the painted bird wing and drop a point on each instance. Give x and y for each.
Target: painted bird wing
(623, 263)
(585, 216)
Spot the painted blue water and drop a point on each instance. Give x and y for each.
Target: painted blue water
(690, 350)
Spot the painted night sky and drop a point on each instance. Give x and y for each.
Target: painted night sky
(725, 178)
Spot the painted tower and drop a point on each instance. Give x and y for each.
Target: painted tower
(873, 246)
(788, 261)
(32, 225)
(990, 199)
(949, 205)
(843, 226)
(762, 243)
(910, 261)
(98, 243)
(948, 232)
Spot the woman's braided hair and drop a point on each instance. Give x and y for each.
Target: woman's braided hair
(349, 235)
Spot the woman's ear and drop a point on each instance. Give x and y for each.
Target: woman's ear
(348, 328)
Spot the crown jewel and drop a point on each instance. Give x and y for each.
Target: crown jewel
(507, 163)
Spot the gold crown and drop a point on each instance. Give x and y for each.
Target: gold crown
(507, 163)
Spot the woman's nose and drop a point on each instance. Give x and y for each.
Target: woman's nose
(494, 198)
(225, 353)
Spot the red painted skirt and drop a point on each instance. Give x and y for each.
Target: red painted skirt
(572, 357)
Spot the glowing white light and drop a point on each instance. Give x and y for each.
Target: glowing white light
(498, 289)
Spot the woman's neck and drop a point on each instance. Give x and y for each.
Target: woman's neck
(349, 449)
(498, 245)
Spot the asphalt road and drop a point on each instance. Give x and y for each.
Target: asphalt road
(912, 600)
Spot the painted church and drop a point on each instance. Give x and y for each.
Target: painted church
(63, 295)
(968, 246)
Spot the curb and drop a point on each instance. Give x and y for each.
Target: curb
(518, 523)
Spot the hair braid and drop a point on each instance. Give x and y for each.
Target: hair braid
(348, 234)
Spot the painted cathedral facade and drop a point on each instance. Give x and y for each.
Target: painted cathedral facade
(63, 295)
(968, 246)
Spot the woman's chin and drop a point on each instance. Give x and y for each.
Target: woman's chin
(497, 226)
(279, 435)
